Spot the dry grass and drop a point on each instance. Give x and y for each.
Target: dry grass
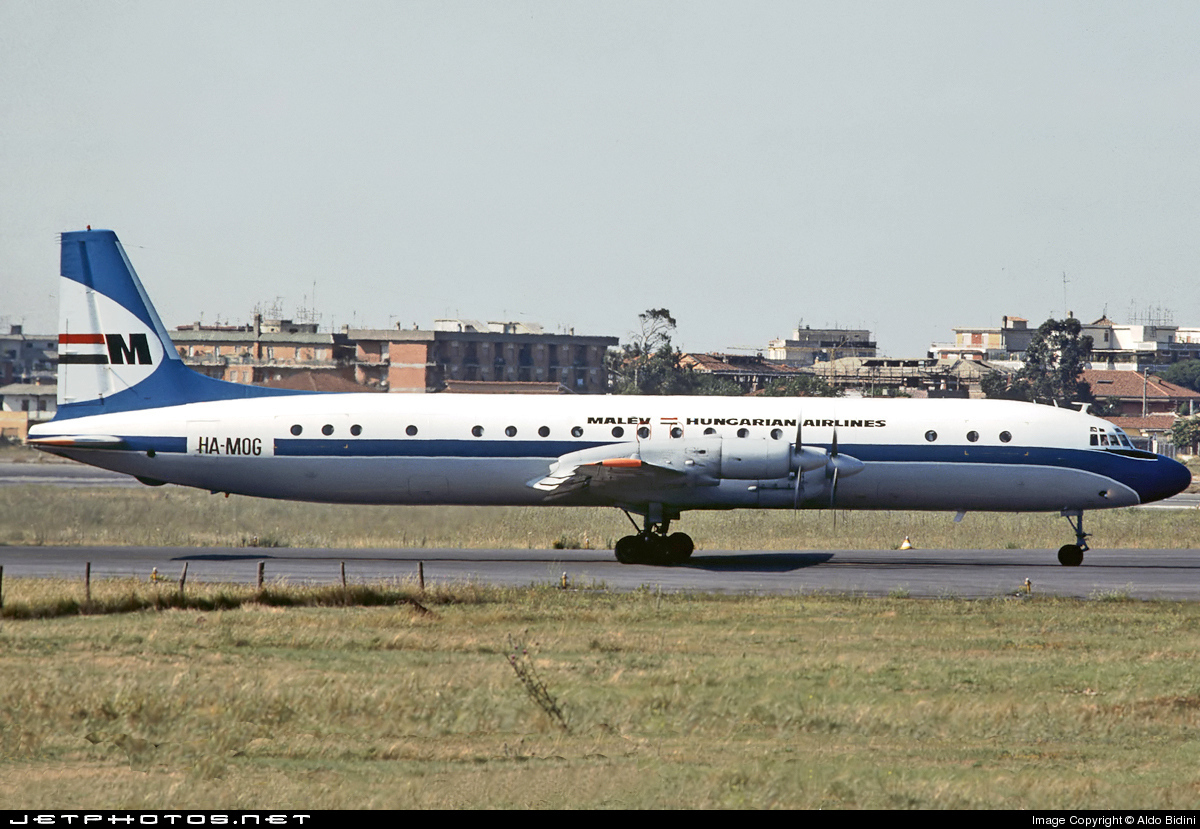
(673, 701)
(174, 516)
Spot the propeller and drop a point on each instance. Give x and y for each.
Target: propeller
(797, 448)
(835, 464)
(838, 466)
(831, 472)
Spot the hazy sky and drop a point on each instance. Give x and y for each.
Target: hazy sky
(903, 167)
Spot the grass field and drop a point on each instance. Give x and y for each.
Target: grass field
(175, 516)
(670, 700)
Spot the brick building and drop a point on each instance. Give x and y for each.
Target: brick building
(466, 350)
(267, 351)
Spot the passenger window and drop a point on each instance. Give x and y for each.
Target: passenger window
(327, 430)
(511, 431)
(676, 432)
(477, 431)
(643, 432)
(577, 431)
(297, 429)
(972, 436)
(356, 430)
(743, 433)
(710, 431)
(544, 431)
(410, 431)
(1005, 437)
(931, 436)
(618, 431)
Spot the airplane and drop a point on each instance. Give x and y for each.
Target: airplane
(127, 402)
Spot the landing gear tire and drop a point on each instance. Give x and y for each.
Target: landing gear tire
(628, 549)
(679, 548)
(1070, 555)
(654, 548)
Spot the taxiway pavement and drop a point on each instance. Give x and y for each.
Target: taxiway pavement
(1143, 574)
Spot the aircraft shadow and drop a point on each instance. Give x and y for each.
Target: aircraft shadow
(757, 562)
(223, 557)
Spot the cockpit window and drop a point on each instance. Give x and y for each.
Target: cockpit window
(1116, 439)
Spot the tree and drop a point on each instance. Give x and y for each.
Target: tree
(1053, 370)
(802, 385)
(657, 326)
(650, 364)
(1185, 433)
(1185, 373)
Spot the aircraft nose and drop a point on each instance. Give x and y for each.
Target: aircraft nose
(1169, 478)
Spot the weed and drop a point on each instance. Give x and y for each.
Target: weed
(263, 541)
(1123, 594)
(535, 687)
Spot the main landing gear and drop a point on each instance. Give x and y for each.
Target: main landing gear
(1071, 555)
(654, 543)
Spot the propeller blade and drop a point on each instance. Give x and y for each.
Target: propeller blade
(796, 448)
(833, 497)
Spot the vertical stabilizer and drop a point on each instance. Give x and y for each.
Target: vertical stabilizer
(114, 354)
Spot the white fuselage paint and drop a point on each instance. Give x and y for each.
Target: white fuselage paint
(248, 447)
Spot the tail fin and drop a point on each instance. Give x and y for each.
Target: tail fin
(114, 355)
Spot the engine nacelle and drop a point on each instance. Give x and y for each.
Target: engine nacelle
(745, 459)
(707, 461)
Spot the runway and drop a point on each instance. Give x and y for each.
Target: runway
(1142, 574)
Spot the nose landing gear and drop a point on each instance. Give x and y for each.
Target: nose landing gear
(1071, 555)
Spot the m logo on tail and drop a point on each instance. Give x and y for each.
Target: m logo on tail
(120, 351)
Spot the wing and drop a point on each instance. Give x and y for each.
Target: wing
(607, 470)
